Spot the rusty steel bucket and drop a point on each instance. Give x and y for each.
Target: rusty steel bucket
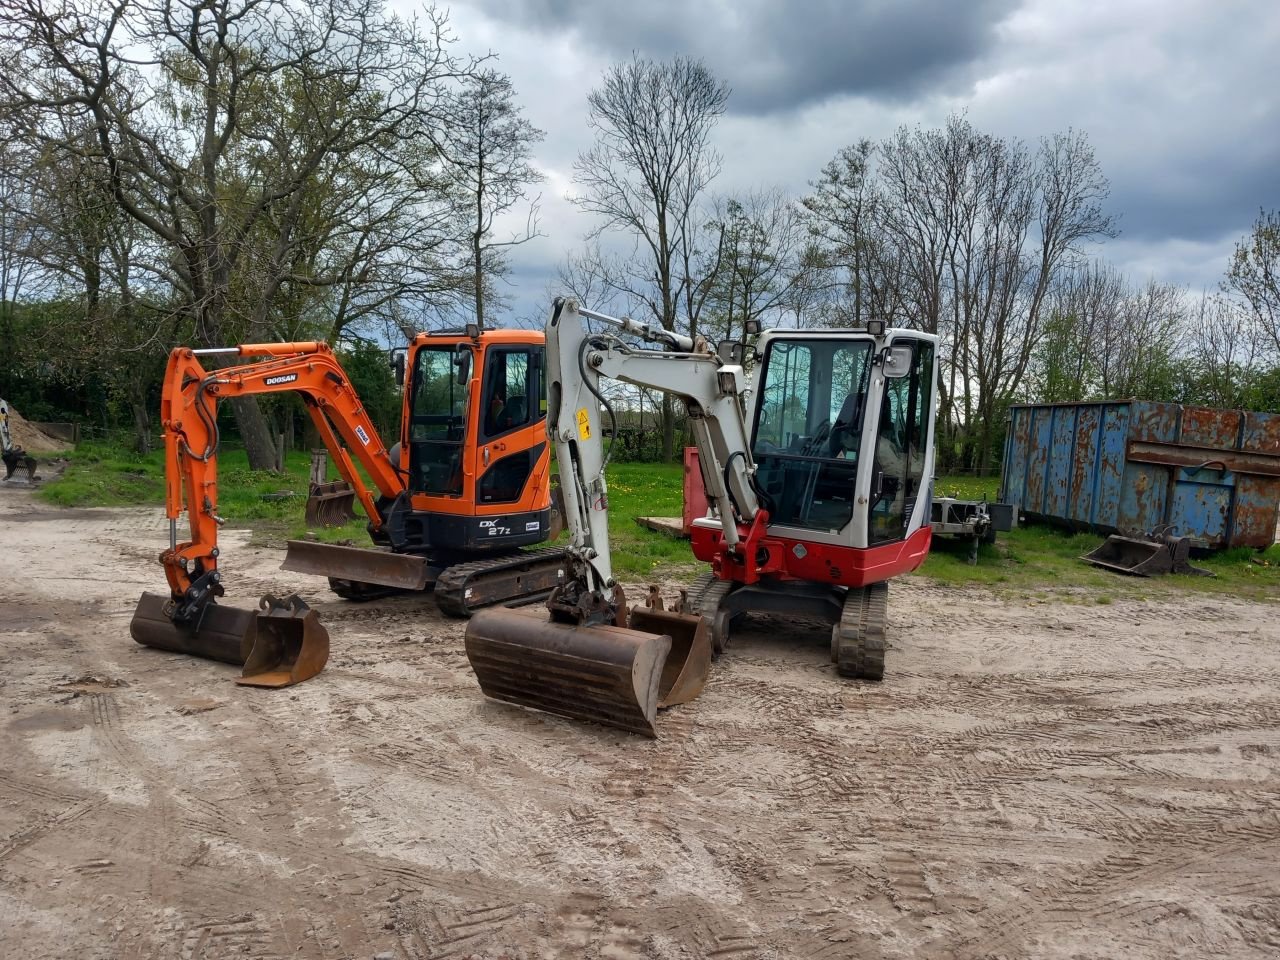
(612, 675)
(281, 644)
(330, 504)
(689, 663)
(1144, 557)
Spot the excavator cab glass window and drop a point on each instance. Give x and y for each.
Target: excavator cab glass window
(900, 446)
(512, 399)
(437, 420)
(806, 436)
(512, 389)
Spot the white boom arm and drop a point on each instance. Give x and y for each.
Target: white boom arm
(710, 390)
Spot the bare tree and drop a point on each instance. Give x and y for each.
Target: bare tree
(1084, 305)
(1224, 349)
(753, 266)
(222, 121)
(651, 162)
(980, 227)
(845, 218)
(1254, 274)
(488, 146)
(1140, 346)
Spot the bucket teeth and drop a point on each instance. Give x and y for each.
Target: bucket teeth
(330, 504)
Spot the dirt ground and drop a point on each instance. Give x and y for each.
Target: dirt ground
(1031, 779)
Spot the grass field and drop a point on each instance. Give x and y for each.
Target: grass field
(1031, 561)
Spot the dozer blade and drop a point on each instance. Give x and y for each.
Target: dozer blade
(606, 674)
(403, 570)
(291, 646)
(282, 645)
(688, 664)
(330, 504)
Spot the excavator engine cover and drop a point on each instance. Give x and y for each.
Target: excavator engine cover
(281, 644)
(607, 674)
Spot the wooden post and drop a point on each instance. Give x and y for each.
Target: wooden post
(319, 467)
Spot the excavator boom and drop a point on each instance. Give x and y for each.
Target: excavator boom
(283, 642)
(586, 656)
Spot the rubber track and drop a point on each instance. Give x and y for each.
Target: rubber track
(452, 584)
(859, 639)
(705, 596)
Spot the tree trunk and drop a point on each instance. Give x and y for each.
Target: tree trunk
(259, 444)
(141, 418)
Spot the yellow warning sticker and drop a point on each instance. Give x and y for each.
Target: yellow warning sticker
(584, 424)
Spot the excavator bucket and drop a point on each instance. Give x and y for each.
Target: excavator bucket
(330, 504)
(1145, 557)
(616, 676)
(689, 663)
(282, 644)
(603, 673)
(292, 645)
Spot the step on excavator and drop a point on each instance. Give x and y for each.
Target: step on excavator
(818, 471)
(450, 507)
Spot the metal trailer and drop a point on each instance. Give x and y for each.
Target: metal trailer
(1133, 467)
(977, 520)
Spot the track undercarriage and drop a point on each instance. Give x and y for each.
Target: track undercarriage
(856, 615)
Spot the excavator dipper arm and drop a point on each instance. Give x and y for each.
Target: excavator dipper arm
(583, 662)
(283, 643)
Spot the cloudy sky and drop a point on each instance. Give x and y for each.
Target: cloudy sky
(1181, 99)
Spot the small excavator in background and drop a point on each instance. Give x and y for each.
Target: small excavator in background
(818, 475)
(12, 455)
(451, 504)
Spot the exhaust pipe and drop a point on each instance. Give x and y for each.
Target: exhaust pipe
(281, 644)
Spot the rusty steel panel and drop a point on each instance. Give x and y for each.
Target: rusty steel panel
(1013, 482)
(1038, 457)
(1134, 467)
(1256, 512)
(1206, 427)
(1261, 433)
(1153, 421)
(1113, 429)
(1084, 462)
(1062, 428)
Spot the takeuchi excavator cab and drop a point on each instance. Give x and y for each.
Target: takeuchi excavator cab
(841, 435)
(473, 444)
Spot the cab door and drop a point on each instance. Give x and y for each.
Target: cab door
(512, 442)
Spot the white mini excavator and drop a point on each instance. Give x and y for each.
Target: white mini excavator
(818, 469)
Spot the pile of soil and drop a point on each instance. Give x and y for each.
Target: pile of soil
(31, 438)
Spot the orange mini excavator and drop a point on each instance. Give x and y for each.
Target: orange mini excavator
(453, 501)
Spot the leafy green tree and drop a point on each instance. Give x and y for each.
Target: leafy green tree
(229, 128)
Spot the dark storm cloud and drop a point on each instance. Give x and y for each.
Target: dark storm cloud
(778, 56)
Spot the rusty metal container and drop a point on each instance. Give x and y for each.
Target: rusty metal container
(1133, 466)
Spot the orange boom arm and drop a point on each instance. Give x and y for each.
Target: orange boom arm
(189, 410)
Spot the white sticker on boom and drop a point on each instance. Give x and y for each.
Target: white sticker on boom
(364, 437)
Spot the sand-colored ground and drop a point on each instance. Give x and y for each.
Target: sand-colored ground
(1031, 779)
